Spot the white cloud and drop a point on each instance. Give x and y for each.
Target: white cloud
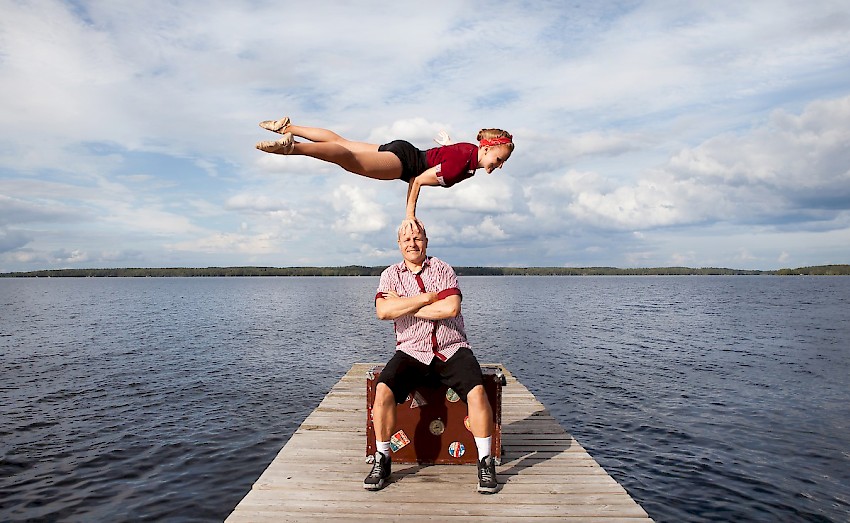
(418, 131)
(482, 194)
(64, 257)
(228, 243)
(357, 211)
(487, 231)
(790, 169)
(254, 203)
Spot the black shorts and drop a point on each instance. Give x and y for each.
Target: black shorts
(413, 161)
(403, 374)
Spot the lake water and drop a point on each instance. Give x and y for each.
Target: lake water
(707, 398)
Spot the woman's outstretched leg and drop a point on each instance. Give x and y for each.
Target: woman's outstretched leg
(363, 159)
(315, 134)
(319, 135)
(357, 157)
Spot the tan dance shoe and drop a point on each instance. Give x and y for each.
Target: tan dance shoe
(276, 126)
(283, 146)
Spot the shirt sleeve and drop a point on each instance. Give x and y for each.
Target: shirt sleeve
(386, 283)
(453, 167)
(454, 291)
(447, 282)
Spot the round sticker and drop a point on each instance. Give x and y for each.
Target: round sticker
(452, 396)
(467, 424)
(437, 427)
(456, 449)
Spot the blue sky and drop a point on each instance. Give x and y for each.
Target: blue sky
(700, 134)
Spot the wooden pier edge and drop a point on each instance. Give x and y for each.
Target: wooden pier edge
(545, 474)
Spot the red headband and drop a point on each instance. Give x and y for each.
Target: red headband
(495, 141)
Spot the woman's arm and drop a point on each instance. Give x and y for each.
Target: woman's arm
(428, 177)
(448, 307)
(392, 306)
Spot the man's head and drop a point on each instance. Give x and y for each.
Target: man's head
(412, 244)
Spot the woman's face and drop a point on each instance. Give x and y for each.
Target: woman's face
(494, 157)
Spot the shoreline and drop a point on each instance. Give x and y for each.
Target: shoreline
(359, 270)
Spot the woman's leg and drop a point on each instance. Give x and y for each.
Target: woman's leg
(357, 157)
(363, 159)
(314, 134)
(319, 135)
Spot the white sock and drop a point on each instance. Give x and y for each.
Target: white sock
(483, 445)
(383, 447)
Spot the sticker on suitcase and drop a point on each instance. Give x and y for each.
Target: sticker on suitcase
(417, 401)
(398, 440)
(456, 449)
(467, 424)
(437, 427)
(452, 396)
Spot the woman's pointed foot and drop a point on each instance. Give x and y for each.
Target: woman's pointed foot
(283, 146)
(276, 126)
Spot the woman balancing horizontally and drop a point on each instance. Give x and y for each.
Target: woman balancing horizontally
(397, 160)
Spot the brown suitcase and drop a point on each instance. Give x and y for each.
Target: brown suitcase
(431, 425)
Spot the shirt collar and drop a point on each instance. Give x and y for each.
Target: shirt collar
(425, 263)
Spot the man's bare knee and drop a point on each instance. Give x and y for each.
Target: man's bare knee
(384, 395)
(477, 394)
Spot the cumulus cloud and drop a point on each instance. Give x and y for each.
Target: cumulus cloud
(254, 203)
(229, 242)
(798, 164)
(793, 168)
(65, 257)
(482, 194)
(418, 131)
(357, 211)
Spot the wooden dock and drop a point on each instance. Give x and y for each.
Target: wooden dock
(545, 474)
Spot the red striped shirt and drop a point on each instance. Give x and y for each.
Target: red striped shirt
(425, 339)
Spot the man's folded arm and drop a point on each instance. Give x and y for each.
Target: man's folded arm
(447, 306)
(389, 305)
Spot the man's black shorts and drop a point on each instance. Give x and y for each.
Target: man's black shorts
(403, 373)
(413, 161)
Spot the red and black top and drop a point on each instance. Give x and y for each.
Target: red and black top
(454, 163)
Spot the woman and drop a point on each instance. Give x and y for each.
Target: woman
(397, 160)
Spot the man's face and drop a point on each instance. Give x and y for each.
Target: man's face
(412, 246)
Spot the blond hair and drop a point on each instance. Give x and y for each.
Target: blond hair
(493, 134)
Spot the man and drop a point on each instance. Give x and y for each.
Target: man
(421, 295)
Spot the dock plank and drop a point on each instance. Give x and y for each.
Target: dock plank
(545, 474)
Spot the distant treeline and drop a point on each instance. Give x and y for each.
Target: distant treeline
(359, 270)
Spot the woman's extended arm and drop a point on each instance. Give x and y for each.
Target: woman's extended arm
(428, 177)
